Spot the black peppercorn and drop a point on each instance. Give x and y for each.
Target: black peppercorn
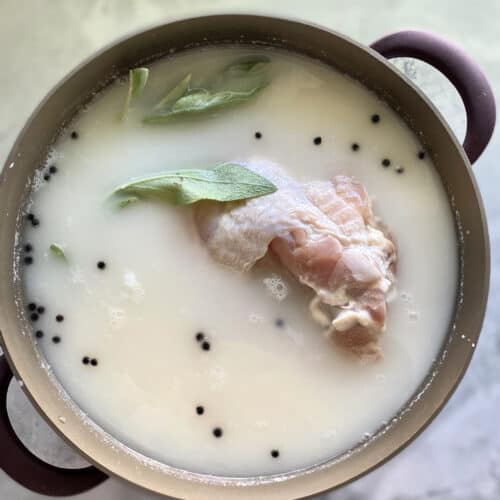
(31, 306)
(375, 118)
(258, 135)
(28, 247)
(40, 309)
(101, 264)
(86, 360)
(200, 410)
(59, 318)
(386, 162)
(355, 146)
(74, 135)
(421, 155)
(47, 177)
(93, 362)
(317, 141)
(52, 169)
(275, 453)
(35, 222)
(400, 170)
(28, 260)
(205, 346)
(56, 339)
(199, 336)
(217, 432)
(34, 317)
(39, 334)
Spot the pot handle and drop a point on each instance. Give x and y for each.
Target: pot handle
(464, 73)
(29, 471)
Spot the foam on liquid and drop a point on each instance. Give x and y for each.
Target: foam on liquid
(266, 386)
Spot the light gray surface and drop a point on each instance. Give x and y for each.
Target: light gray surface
(458, 457)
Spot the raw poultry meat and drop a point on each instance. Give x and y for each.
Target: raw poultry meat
(326, 235)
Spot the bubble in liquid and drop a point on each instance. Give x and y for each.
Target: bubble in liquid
(134, 287)
(256, 318)
(77, 276)
(413, 315)
(217, 378)
(276, 287)
(116, 317)
(218, 373)
(37, 181)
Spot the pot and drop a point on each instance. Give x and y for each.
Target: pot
(369, 66)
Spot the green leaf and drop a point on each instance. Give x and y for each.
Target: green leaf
(127, 201)
(244, 65)
(238, 82)
(226, 182)
(201, 101)
(244, 73)
(176, 93)
(136, 82)
(57, 251)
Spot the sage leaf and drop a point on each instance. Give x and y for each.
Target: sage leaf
(57, 251)
(244, 65)
(176, 93)
(136, 82)
(201, 101)
(226, 182)
(238, 82)
(124, 202)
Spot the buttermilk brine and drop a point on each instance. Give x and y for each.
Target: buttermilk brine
(186, 360)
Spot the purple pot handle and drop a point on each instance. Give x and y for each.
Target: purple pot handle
(465, 74)
(29, 471)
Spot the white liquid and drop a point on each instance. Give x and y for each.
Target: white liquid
(267, 387)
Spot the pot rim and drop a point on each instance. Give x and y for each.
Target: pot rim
(284, 485)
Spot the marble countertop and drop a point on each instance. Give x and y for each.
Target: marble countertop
(458, 456)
